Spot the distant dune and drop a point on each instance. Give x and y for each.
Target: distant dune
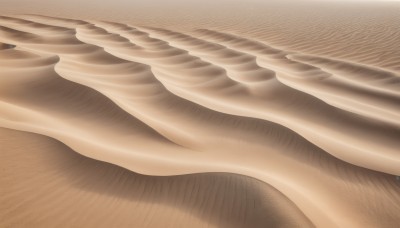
(105, 123)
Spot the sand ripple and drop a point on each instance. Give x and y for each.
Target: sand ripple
(286, 138)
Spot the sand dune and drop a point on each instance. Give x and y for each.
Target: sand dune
(123, 198)
(259, 135)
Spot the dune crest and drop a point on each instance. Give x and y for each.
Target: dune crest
(316, 136)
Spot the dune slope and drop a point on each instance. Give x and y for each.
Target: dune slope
(262, 136)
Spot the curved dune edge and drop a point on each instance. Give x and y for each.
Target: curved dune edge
(55, 187)
(162, 102)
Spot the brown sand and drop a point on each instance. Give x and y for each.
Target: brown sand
(265, 126)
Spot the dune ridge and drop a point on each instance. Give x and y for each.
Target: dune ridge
(321, 132)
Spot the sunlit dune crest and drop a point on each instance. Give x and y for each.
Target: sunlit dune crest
(111, 124)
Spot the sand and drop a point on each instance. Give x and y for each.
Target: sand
(176, 118)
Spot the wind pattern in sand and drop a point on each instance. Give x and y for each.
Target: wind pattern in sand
(245, 134)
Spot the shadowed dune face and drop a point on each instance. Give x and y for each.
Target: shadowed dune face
(64, 189)
(261, 136)
(6, 46)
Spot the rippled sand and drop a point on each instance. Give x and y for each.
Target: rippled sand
(207, 121)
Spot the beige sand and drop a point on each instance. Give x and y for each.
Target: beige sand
(289, 127)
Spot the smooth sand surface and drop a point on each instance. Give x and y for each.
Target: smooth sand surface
(289, 119)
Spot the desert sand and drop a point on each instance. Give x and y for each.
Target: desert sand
(189, 114)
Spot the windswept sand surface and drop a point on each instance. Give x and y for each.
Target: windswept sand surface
(225, 129)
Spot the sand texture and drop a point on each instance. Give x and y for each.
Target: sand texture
(106, 122)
